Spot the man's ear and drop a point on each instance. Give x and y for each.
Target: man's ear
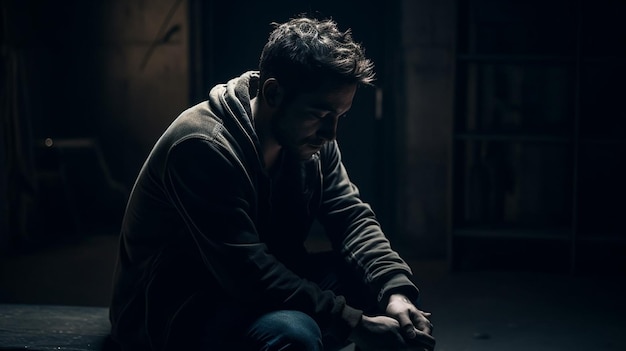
(273, 92)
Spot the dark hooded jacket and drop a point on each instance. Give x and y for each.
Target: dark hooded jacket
(205, 224)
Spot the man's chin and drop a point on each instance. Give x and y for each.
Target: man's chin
(306, 152)
(304, 156)
(312, 149)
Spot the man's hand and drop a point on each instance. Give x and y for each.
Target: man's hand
(378, 333)
(414, 326)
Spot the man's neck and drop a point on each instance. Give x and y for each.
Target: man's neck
(270, 148)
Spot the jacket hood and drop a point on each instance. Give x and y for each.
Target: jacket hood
(231, 101)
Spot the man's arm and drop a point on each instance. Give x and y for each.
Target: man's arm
(357, 235)
(356, 232)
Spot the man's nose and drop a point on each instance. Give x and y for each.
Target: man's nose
(328, 130)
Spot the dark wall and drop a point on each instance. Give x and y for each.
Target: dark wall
(47, 94)
(99, 80)
(50, 45)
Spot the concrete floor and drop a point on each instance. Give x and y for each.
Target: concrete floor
(526, 311)
(472, 311)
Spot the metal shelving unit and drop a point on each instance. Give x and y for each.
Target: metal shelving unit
(539, 154)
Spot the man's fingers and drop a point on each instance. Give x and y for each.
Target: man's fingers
(418, 336)
(421, 322)
(406, 326)
(423, 340)
(409, 331)
(424, 325)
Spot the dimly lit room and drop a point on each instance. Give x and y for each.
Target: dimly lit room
(491, 147)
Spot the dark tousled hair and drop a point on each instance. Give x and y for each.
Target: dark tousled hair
(304, 53)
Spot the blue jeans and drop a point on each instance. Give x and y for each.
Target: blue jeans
(284, 330)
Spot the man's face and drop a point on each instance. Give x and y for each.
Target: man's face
(309, 120)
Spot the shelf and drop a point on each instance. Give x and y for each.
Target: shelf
(494, 233)
(536, 59)
(545, 234)
(539, 138)
(610, 141)
(602, 239)
(604, 59)
(531, 59)
(542, 138)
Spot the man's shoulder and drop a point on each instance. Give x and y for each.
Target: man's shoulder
(198, 120)
(196, 123)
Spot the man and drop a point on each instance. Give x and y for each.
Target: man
(211, 251)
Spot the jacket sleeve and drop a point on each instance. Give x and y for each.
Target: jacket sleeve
(353, 229)
(217, 201)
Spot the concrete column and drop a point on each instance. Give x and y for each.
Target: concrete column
(425, 84)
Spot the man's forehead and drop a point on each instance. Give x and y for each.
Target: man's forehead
(330, 97)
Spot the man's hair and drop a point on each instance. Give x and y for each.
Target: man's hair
(304, 53)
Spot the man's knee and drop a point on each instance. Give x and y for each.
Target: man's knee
(286, 330)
